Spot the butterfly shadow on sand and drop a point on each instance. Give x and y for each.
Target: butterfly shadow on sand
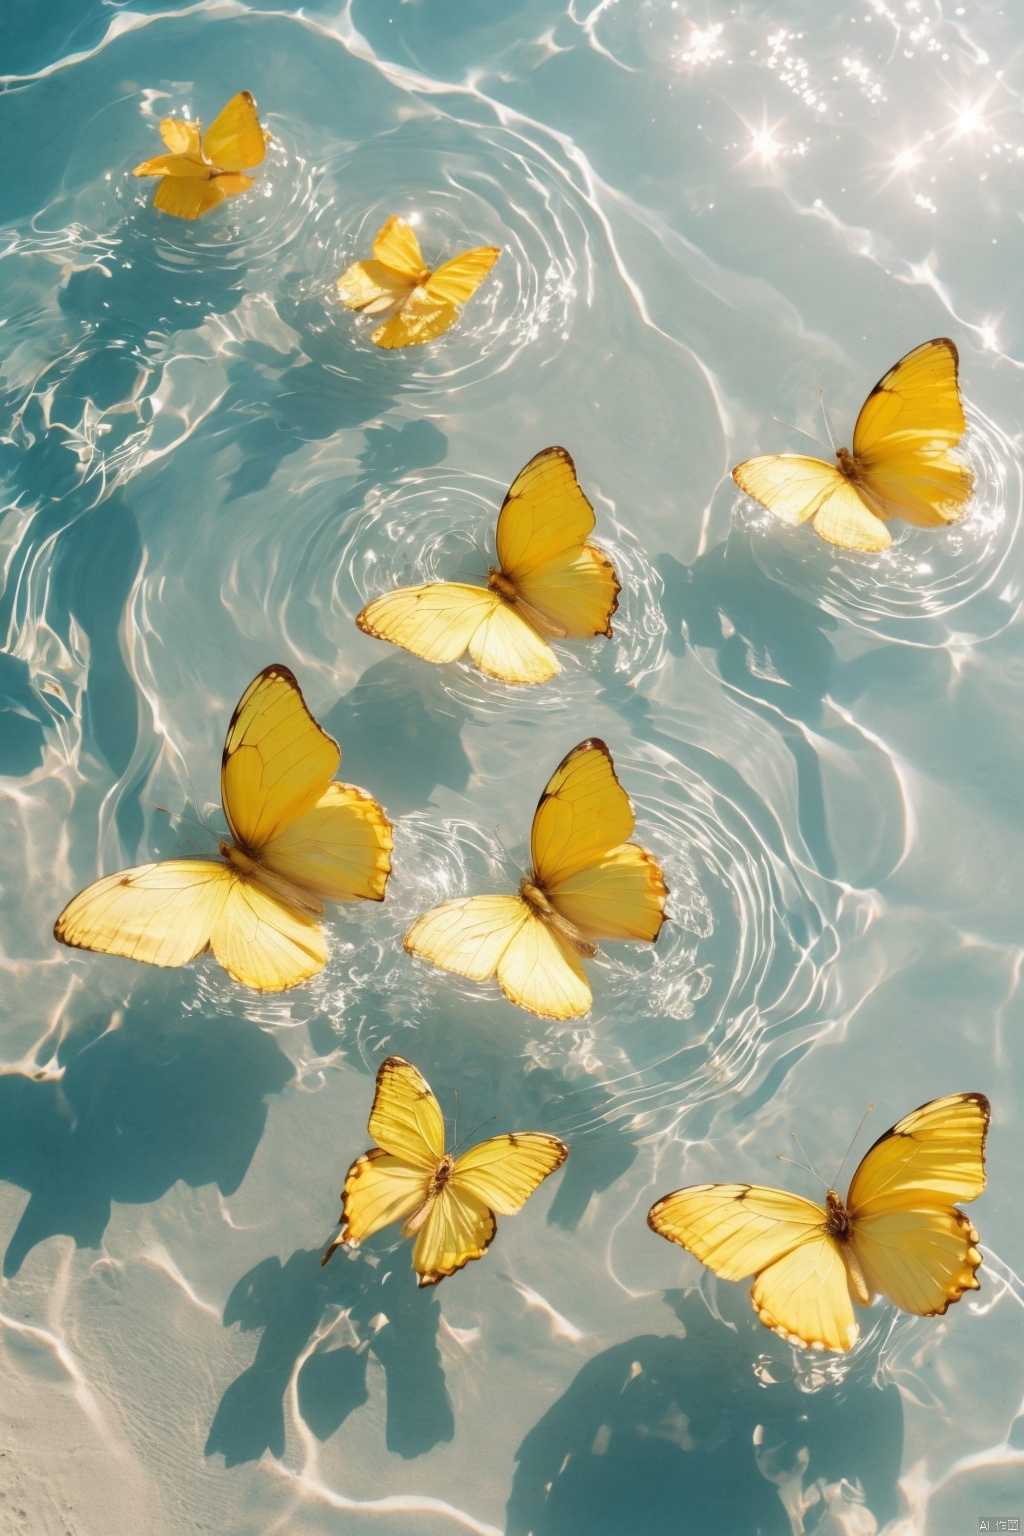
(680, 1428)
(288, 1301)
(163, 1096)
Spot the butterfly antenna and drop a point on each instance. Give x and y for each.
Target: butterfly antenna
(853, 1143)
(828, 424)
(803, 432)
(455, 1138)
(195, 797)
(474, 1131)
(807, 1162)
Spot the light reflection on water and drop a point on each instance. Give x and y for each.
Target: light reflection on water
(705, 218)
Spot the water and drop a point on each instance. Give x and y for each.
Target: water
(707, 215)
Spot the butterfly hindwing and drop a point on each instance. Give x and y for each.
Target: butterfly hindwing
(339, 849)
(264, 942)
(458, 1228)
(805, 1296)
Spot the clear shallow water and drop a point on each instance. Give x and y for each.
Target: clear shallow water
(706, 217)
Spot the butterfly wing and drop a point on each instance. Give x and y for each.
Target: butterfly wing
(340, 849)
(504, 1171)
(483, 937)
(371, 286)
(607, 887)
(264, 942)
(406, 1119)
(420, 318)
(912, 1243)
(163, 914)
(458, 1228)
(234, 140)
(796, 488)
(541, 541)
(379, 1189)
(395, 245)
(441, 620)
(906, 435)
(801, 1288)
(457, 280)
(182, 137)
(277, 761)
(392, 1181)
(189, 197)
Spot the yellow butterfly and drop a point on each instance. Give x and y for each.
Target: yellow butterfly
(447, 1204)
(198, 174)
(587, 883)
(902, 464)
(296, 837)
(549, 581)
(899, 1235)
(398, 279)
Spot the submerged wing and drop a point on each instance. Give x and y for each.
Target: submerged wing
(277, 761)
(797, 488)
(163, 914)
(234, 140)
(421, 317)
(504, 1171)
(189, 197)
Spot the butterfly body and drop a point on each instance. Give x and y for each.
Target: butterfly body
(201, 170)
(297, 837)
(448, 1204)
(587, 882)
(549, 582)
(898, 1234)
(903, 462)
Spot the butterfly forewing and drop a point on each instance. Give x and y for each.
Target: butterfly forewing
(406, 1118)
(544, 515)
(933, 1156)
(234, 140)
(583, 812)
(917, 400)
(163, 914)
(395, 245)
(277, 761)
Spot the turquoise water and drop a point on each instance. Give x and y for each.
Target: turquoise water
(707, 215)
